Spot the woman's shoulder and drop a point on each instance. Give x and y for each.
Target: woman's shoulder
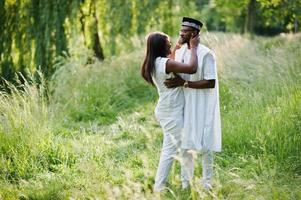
(161, 60)
(160, 64)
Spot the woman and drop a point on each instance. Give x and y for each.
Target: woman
(156, 68)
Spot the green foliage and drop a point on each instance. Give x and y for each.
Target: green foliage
(256, 16)
(286, 11)
(34, 33)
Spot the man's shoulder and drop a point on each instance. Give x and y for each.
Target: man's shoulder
(206, 50)
(203, 47)
(203, 50)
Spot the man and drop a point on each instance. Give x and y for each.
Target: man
(202, 127)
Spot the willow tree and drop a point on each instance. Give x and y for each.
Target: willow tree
(33, 35)
(48, 32)
(7, 19)
(34, 32)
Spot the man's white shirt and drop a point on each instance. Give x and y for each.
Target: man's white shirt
(202, 125)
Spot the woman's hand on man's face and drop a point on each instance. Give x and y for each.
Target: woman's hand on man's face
(174, 82)
(180, 42)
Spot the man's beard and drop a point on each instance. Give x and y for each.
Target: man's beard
(183, 40)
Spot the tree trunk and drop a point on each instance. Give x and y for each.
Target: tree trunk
(2, 28)
(95, 37)
(91, 37)
(82, 24)
(250, 17)
(296, 25)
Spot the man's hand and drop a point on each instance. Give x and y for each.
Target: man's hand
(174, 82)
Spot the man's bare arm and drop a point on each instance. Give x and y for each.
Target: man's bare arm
(202, 84)
(178, 81)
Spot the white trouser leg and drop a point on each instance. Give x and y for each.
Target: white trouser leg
(207, 164)
(171, 142)
(187, 167)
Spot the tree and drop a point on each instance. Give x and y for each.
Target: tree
(279, 16)
(89, 27)
(250, 17)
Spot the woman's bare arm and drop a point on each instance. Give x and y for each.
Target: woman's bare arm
(173, 52)
(189, 68)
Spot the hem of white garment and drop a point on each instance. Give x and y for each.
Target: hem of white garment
(185, 184)
(159, 188)
(206, 184)
(200, 149)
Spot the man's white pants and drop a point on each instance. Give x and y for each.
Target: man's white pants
(172, 129)
(187, 167)
(171, 144)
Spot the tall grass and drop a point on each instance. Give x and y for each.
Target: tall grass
(92, 91)
(28, 147)
(264, 98)
(95, 135)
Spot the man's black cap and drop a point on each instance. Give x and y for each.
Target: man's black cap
(190, 22)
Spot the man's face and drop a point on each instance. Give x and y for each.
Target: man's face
(186, 33)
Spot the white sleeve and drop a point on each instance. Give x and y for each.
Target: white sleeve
(209, 66)
(162, 65)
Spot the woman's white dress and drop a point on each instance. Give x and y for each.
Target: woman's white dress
(169, 113)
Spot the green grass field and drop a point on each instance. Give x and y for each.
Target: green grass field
(94, 135)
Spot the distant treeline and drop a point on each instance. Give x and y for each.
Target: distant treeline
(34, 32)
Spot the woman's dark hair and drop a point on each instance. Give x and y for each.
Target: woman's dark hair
(156, 47)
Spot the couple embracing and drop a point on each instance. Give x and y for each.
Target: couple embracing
(188, 106)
